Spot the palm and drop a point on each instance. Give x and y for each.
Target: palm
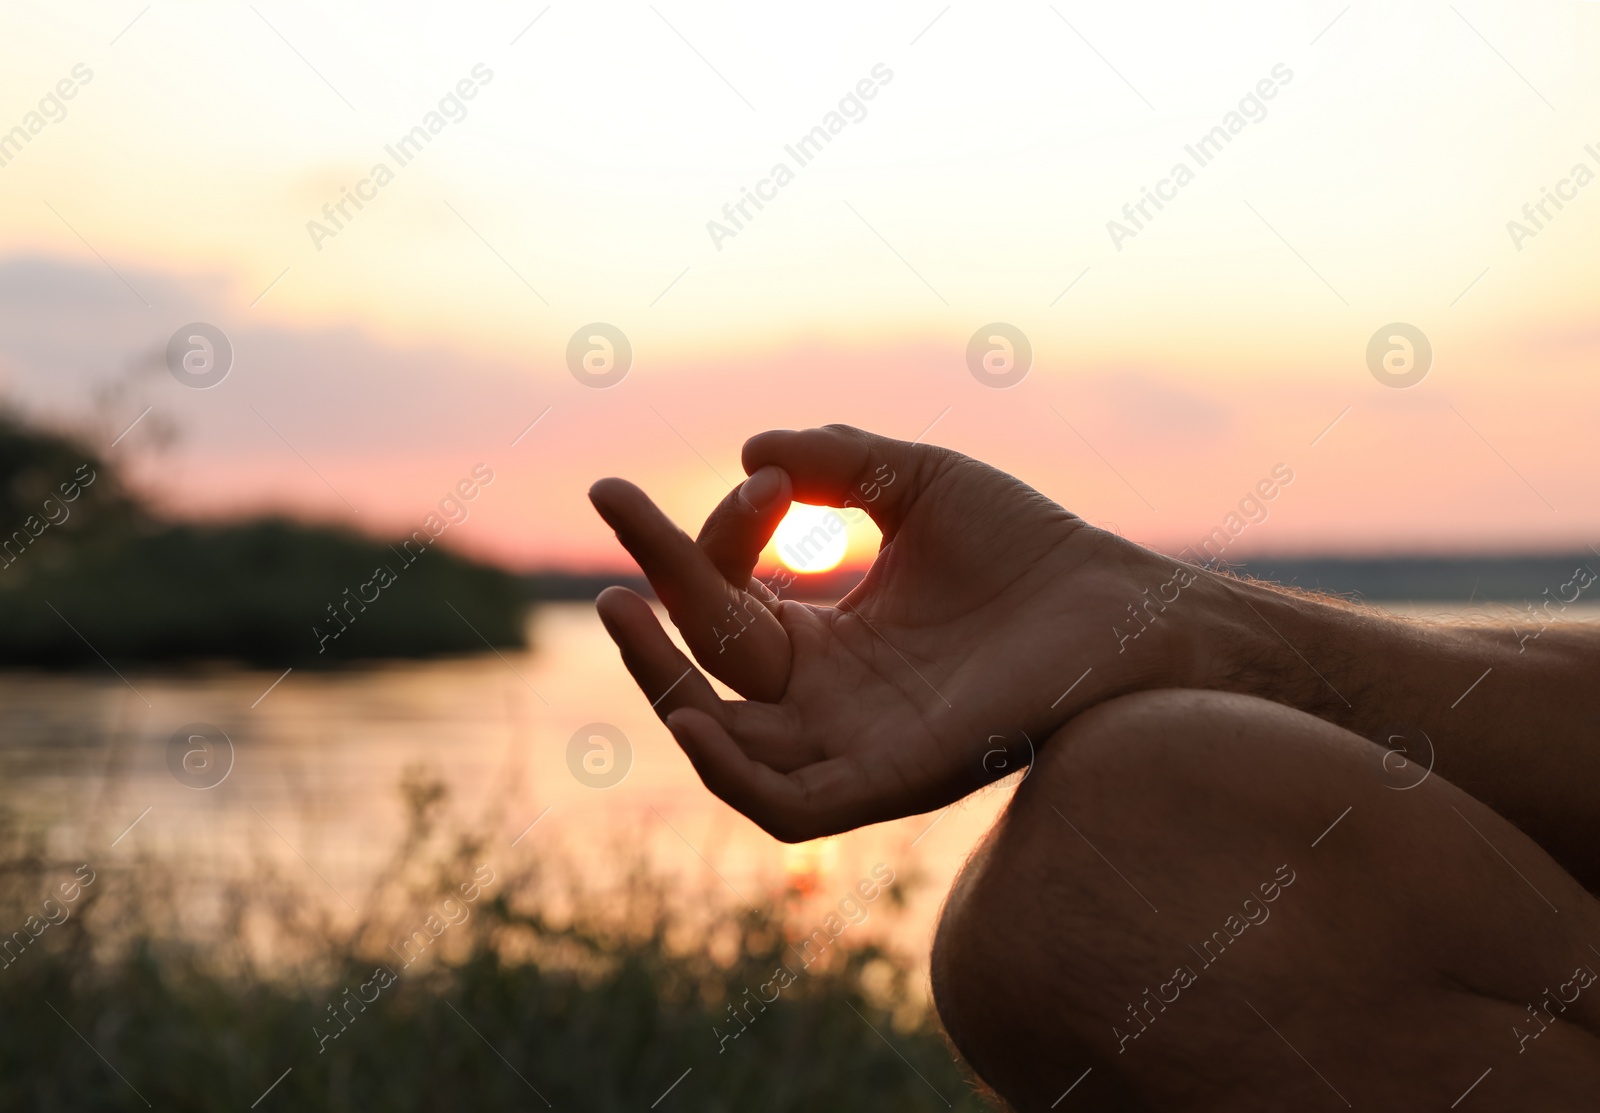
(938, 673)
(934, 676)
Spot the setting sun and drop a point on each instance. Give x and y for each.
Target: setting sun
(811, 538)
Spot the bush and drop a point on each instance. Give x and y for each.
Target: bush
(85, 570)
(511, 1007)
(259, 592)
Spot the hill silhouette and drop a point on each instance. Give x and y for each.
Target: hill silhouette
(88, 572)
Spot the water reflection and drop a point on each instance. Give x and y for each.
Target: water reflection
(532, 740)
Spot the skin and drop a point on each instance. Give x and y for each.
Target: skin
(985, 605)
(983, 598)
(1395, 970)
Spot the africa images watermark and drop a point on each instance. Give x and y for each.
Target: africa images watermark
(56, 912)
(1253, 510)
(451, 911)
(851, 911)
(1582, 578)
(1537, 213)
(852, 109)
(1210, 951)
(816, 539)
(1582, 978)
(452, 109)
(454, 508)
(599, 756)
(34, 526)
(1252, 109)
(52, 110)
(802, 551)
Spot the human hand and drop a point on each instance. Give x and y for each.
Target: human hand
(932, 677)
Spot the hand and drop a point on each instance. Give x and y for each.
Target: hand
(936, 675)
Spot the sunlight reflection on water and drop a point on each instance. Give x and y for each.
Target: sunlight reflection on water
(318, 760)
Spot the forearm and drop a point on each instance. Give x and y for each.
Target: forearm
(1512, 719)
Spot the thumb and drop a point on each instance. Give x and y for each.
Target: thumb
(743, 522)
(839, 465)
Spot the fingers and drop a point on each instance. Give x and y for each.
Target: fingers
(819, 799)
(696, 717)
(668, 678)
(742, 524)
(842, 466)
(675, 567)
(672, 683)
(731, 633)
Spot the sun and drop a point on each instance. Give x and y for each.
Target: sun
(811, 538)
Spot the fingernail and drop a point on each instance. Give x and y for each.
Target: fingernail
(761, 488)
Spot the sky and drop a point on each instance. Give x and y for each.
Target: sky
(983, 168)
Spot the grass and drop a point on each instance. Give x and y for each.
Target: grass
(548, 993)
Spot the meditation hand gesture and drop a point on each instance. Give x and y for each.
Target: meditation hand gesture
(934, 676)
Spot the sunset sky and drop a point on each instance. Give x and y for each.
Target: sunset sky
(378, 361)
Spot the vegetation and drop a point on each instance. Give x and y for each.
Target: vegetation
(86, 570)
(545, 993)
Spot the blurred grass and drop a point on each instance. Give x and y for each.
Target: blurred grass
(598, 1000)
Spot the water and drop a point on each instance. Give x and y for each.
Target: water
(317, 760)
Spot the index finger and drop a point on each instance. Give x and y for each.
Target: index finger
(709, 610)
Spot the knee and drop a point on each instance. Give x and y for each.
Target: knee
(1183, 771)
(1134, 806)
(1155, 776)
(1227, 816)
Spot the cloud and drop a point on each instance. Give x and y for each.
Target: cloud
(1141, 406)
(67, 330)
(316, 419)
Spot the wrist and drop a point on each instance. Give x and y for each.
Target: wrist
(1349, 663)
(1261, 640)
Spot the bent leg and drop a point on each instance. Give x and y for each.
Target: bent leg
(1210, 901)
